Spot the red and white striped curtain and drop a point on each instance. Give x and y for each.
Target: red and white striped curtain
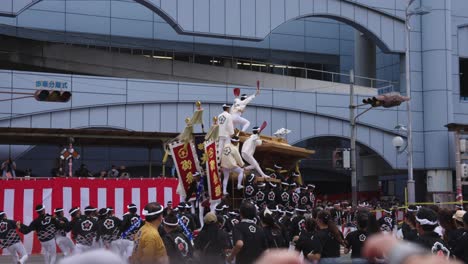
(19, 198)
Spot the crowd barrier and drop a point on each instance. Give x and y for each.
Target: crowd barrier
(20, 196)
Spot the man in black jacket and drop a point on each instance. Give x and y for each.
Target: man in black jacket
(10, 240)
(65, 244)
(84, 230)
(178, 246)
(426, 222)
(212, 242)
(109, 230)
(45, 226)
(248, 238)
(131, 223)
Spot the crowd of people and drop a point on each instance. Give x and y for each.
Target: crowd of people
(175, 234)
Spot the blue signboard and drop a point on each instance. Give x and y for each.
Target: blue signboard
(52, 84)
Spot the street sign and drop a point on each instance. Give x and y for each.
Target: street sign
(385, 90)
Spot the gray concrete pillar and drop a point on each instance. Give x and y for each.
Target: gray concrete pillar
(437, 82)
(364, 59)
(402, 83)
(230, 63)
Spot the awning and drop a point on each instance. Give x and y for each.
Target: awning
(107, 137)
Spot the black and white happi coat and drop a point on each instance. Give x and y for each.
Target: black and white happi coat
(8, 234)
(45, 226)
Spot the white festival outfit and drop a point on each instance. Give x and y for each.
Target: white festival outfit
(65, 244)
(248, 150)
(238, 108)
(49, 249)
(18, 252)
(231, 161)
(226, 129)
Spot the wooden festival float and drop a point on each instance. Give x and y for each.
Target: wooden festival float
(274, 149)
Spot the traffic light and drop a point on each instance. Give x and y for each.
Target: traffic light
(341, 158)
(386, 100)
(337, 159)
(52, 96)
(373, 101)
(464, 170)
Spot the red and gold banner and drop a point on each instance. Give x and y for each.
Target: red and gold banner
(186, 163)
(212, 171)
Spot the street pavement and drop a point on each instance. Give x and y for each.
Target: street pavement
(33, 259)
(39, 259)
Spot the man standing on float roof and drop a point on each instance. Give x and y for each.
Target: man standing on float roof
(226, 128)
(239, 107)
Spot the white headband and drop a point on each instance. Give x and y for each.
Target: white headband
(277, 167)
(426, 222)
(146, 213)
(131, 206)
(74, 210)
(58, 210)
(40, 209)
(90, 209)
(170, 224)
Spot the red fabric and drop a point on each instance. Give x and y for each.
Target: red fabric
(185, 159)
(214, 181)
(24, 195)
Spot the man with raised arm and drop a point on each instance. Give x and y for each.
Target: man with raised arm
(238, 108)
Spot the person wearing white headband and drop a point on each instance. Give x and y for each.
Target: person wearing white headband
(278, 171)
(238, 108)
(178, 246)
(65, 244)
(297, 223)
(273, 193)
(84, 229)
(226, 128)
(231, 161)
(109, 231)
(408, 230)
(386, 222)
(11, 241)
(284, 194)
(426, 222)
(45, 227)
(131, 223)
(249, 189)
(248, 151)
(150, 247)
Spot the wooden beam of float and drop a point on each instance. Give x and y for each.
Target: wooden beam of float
(277, 150)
